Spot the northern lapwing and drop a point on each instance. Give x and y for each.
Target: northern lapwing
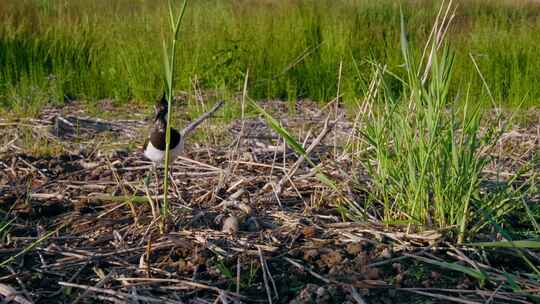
(154, 149)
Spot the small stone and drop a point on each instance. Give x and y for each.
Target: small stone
(230, 225)
(309, 232)
(398, 279)
(322, 295)
(354, 248)
(306, 295)
(386, 253)
(332, 258)
(310, 255)
(397, 267)
(253, 224)
(245, 208)
(372, 274)
(321, 291)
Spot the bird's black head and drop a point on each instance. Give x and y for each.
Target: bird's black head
(161, 108)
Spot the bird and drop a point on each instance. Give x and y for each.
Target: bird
(154, 148)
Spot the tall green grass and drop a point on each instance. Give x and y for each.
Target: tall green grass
(51, 49)
(426, 148)
(169, 57)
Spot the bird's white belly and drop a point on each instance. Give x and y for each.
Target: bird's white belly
(157, 156)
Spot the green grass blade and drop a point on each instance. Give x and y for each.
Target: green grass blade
(167, 66)
(507, 244)
(32, 246)
(169, 69)
(404, 41)
(531, 216)
(456, 267)
(294, 144)
(507, 236)
(276, 126)
(180, 18)
(171, 15)
(6, 225)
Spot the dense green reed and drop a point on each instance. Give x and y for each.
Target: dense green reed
(51, 49)
(425, 148)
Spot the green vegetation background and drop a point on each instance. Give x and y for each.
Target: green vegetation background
(51, 50)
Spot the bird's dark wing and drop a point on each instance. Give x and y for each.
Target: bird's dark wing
(175, 138)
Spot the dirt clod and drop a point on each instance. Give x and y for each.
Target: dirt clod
(230, 225)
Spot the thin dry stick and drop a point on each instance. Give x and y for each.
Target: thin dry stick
(294, 187)
(284, 153)
(117, 294)
(148, 252)
(301, 159)
(492, 296)
(223, 297)
(234, 155)
(73, 277)
(189, 128)
(442, 297)
(192, 126)
(110, 299)
(463, 257)
(439, 31)
(308, 135)
(430, 37)
(336, 107)
(265, 279)
(372, 93)
(150, 202)
(273, 165)
(175, 186)
(483, 293)
(269, 274)
(238, 275)
(21, 284)
(98, 285)
(484, 82)
(176, 281)
(10, 295)
(447, 20)
(270, 182)
(242, 118)
(124, 190)
(203, 165)
(154, 169)
(356, 296)
(147, 230)
(313, 273)
(275, 193)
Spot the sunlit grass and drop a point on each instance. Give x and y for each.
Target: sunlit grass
(51, 50)
(426, 147)
(169, 57)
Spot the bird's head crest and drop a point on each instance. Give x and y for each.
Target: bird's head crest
(161, 107)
